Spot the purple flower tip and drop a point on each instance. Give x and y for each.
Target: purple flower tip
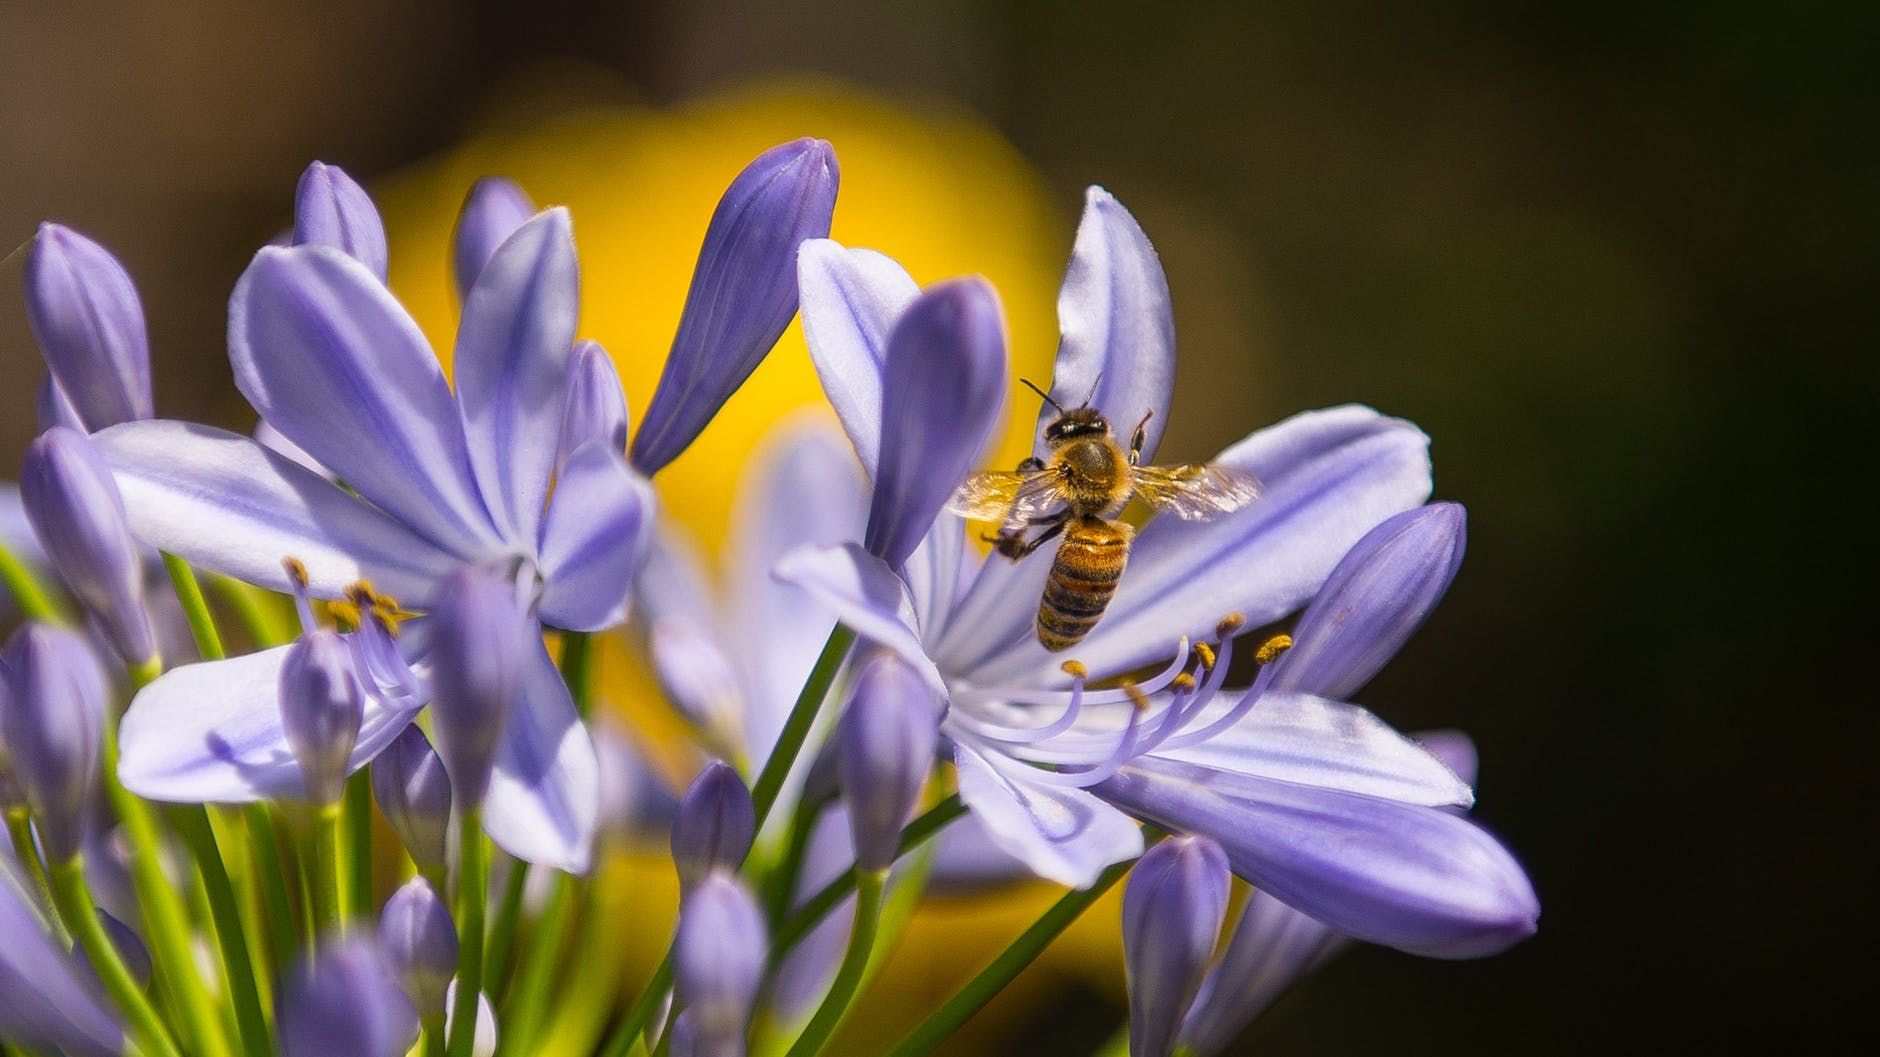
(89, 324)
(345, 1001)
(420, 943)
(321, 709)
(1172, 912)
(413, 793)
(492, 211)
(52, 724)
(885, 748)
(718, 960)
(480, 638)
(715, 824)
(331, 209)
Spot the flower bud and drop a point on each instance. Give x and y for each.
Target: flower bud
(492, 212)
(331, 209)
(345, 1001)
(321, 709)
(47, 1002)
(715, 825)
(413, 793)
(420, 944)
(130, 948)
(594, 406)
(1274, 946)
(78, 515)
(480, 638)
(1172, 913)
(52, 724)
(718, 961)
(885, 747)
(90, 326)
(743, 292)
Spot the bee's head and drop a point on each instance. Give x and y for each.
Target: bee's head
(1075, 423)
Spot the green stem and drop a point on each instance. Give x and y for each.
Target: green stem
(780, 885)
(81, 917)
(28, 592)
(918, 832)
(258, 611)
(271, 874)
(323, 872)
(577, 666)
(1003, 969)
(195, 608)
(356, 812)
(433, 1035)
(473, 883)
(508, 920)
(848, 981)
(528, 992)
(801, 721)
(192, 823)
(26, 849)
(627, 1034)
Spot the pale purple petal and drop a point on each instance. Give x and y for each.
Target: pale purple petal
(228, 504)
(1330, 477)
(1117, 346)
(1300, 738)
(967, 860)
(999, 608)
(938, 574)
(1420, 879)
(326, 355)
(212, 733)
(806, 971)
(594, 540)
(492, 211)
(1065, 835)
(865, 595)
(345, 1001)
(45, 1001)
(594, 407)
(52, 407)
(89, 324)
(331, 209)
(1273, 947)
(743, 292)
(544, 799)
(943, 387)
(1377, 597)
(511, 368)
(270, 438)
(1454, 748)
(851, 299)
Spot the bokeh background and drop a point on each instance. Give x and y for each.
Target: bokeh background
(1617, 258)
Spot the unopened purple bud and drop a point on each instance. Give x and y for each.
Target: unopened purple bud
(480, 638)
(718, 961)
(884, 750)
(1172, 912)
(413, 793)
(321, 709)
(492, 211)
(130, 948)
(51, 407)
(715, 825)
(943, 385)
(89, 323)
(52, 724)
(331, 209)
(78, 515)
(743, 292)
(345, 1001)
(420, 943)
(595, 407)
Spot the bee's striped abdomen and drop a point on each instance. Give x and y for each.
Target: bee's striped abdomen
(1083, 577)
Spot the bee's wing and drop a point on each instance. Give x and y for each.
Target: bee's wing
(1194, 492)
(1006, 495)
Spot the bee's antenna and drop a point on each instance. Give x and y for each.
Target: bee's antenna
(1094, 386)
(1029, 384)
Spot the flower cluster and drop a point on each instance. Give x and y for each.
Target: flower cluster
(416, 567)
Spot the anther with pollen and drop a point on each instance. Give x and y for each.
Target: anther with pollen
(296, 571)
(1270, 650)
(1206, 653)
(1137, 697)
(1183, 682)
(1229, 624)
(1075, 669)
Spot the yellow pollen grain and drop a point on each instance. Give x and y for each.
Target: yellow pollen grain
(1206, 653)
(296, 571)
(1271, 649)
(1228, 625)
(1137, 697)
(1183, 682)
(1075, 669)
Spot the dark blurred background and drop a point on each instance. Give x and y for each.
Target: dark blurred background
(1617, 258)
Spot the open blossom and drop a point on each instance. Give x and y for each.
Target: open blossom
(1055, 768)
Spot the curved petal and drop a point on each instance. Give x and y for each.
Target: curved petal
(491, 212)
(594, 539)
(1330, 477)
(594, 406)
(511, 368)
(45, 1000)
(1420, 879)
(544, 798)
(1117, 346)
(226, 503)
(1273, 947)
(850, 300)
(1376, 598)
(1065, 835)
(326, 355)
(331, 209)
(212, 733)
(865, 595)
(85, 314)
(1330, 744)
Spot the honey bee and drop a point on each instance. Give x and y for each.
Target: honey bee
(1076, 491)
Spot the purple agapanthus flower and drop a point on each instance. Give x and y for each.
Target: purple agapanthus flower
(1055, 768)
(435, 480)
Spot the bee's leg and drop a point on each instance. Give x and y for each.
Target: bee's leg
(1140, 437)
(1016, 546)
(1032, 464)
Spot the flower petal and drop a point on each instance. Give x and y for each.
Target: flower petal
(544, 798)
(1330, 477)
(594, 539)
(851, 299)
(226, 503)
(1273, 947)
(492, 211)
(331, 209)
(1300, 738)
(943, 387)
(1117, 346)
(326, 355)
(1419, 879)
(511, 368)
(743, 292)
(865, 595)
(212, 733)
(1375, 599)
(1065, 835)
(594, 406)
(89, 324)
(45, 1000)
